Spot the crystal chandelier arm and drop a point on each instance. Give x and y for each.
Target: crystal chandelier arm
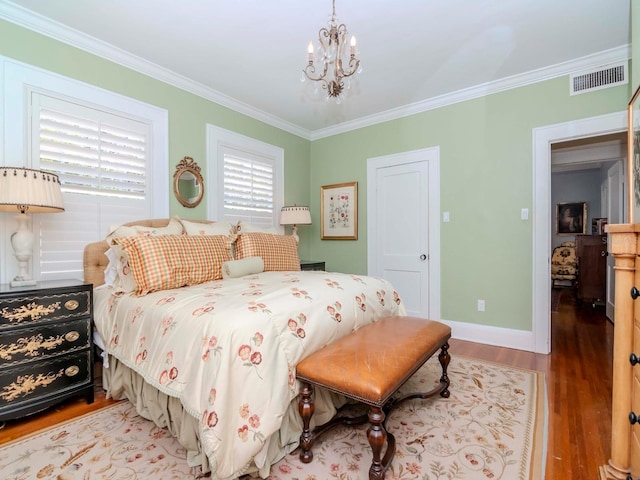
(354, 63)
(324, 40)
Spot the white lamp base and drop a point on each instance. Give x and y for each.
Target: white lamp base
(22, 243)
(22, 283)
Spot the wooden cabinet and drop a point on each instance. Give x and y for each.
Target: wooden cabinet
(624, 245)
(311, 265)
(46, 352)
(591, 251)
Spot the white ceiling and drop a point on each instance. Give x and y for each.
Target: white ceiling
(415, 54)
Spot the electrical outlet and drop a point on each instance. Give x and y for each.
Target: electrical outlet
(481, 305)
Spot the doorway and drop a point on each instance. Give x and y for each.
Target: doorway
(543, 139)
(592, 171)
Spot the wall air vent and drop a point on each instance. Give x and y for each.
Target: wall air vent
(603, 77)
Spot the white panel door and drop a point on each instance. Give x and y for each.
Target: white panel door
(403, 227)
(615, 204)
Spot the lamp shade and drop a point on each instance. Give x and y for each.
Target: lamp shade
(295, 215)
(25, 189)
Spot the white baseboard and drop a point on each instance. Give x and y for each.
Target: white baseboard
(488, 335)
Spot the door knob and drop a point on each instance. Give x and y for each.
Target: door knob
(423, 257)
(633, 418)
(635, 293)
(633, 359)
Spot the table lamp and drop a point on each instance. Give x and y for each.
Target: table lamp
(295, 215)
(27, 191)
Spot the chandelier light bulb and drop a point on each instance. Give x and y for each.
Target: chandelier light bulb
(310, 51)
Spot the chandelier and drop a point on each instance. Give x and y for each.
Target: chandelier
(335, 66)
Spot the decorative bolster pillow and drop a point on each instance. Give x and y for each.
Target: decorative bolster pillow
(240, 268)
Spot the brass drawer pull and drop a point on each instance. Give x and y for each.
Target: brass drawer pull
(71, 304)
(72, 371)
(72, 336)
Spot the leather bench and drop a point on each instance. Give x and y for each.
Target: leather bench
(370, 365)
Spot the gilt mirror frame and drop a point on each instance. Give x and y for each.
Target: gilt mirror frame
(185, 168)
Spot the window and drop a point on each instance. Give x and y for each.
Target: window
(247, 176)
(110, 151)
(102, 161)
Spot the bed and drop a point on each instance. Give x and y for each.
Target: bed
(214, 361)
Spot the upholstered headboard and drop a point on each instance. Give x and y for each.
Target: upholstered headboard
(95, 261)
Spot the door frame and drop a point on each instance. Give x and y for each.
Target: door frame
(543, 138)
(432, 156)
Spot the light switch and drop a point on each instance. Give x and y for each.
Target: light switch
(524, 214)
(445, 217)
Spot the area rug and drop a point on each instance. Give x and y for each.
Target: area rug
(491, 427)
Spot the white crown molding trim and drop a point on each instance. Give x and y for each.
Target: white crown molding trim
(50, 28)
(614, 55)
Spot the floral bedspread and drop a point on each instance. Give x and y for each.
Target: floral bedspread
(228, 349)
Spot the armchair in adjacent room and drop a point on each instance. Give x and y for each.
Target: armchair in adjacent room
(564, 264)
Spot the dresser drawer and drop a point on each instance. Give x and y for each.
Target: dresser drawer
(35, 382)
(27, 310)
(37, 343)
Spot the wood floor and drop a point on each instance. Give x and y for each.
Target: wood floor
(578, 373)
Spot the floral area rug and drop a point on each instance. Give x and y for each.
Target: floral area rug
(112, 443)
(491, 427)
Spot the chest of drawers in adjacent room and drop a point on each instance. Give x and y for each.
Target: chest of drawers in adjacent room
(46, 352)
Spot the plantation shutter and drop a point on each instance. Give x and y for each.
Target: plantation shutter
(249, 181)
(102, 159)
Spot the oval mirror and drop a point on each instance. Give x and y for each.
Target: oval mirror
(187, 183)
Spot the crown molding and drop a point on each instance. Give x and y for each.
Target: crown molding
(50, 28)
(614, 55)
(45, 26)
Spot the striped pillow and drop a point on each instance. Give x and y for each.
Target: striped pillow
(278, 252)
(171, 261)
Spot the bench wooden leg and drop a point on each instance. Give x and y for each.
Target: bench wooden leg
(306, 409)
(444, 358)
(377, 435)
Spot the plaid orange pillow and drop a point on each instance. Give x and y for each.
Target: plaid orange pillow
(278, 252)
(171, 261)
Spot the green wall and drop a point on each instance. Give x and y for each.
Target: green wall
(485, 162)
(188, 113)
(485, 179)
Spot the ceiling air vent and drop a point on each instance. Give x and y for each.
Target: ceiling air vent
(603, 77)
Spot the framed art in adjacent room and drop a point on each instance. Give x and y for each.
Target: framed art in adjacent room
(571, 218)
(339, 211)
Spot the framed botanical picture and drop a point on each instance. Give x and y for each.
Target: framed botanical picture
(571, 218)
(339, 211)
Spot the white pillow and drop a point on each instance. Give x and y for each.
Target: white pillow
(240, 268)
(197, 228)
(111, 272)
(244, 227)
(174, 227)
(120, 276)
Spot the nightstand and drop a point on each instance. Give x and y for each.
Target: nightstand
(311, 265)
(46, 352)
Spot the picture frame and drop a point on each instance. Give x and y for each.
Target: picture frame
(571, 218)
(633, 154)
(339, 211)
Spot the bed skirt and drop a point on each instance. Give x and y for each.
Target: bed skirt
(121, 382)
